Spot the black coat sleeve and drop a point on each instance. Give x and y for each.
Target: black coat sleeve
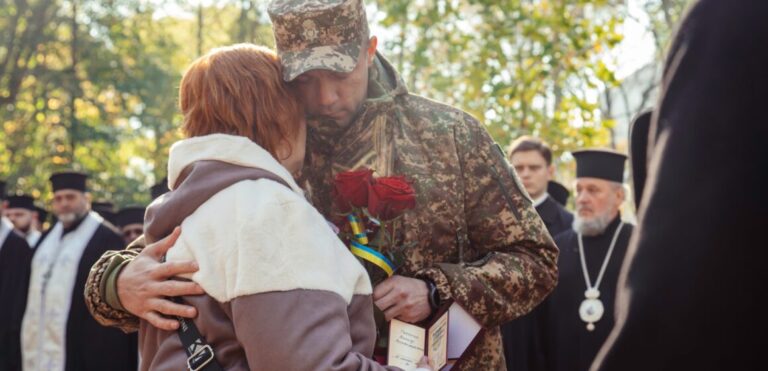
(15, 263)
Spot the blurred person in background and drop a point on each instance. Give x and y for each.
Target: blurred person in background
(577, 317)
(21, 212)
(690, 287)
(15, 257)
(58, 333)
(130, 220)
(532, 160)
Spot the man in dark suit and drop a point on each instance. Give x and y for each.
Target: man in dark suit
(695, 269)
(532, 160)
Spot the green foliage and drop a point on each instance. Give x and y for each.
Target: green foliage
(104, 101)
(92, 85)
(524, 67)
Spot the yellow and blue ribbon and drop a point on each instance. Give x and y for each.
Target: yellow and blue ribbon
(357, 229)
(373, 256)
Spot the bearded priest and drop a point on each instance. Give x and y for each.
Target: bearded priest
(58, 333)
(578, 316)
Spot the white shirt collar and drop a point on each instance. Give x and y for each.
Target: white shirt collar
(537, 202)
(5, 229)
(5, 223)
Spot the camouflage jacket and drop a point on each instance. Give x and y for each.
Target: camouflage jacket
(474, 230)
(476, 233)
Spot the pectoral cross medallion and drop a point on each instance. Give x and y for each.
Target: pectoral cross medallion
(591, 309)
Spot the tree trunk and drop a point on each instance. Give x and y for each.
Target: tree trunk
(666, 8)
(609, 115)
(21, 45)
(74, 85)
(242, 24)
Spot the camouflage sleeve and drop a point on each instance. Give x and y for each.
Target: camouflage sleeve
(101, 288)
(517, 268)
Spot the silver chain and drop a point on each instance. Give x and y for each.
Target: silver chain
(605, 261)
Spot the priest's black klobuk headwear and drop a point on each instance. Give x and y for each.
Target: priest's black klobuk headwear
(21, 202)
(160, 188)
(69, 180)
(130, 215)
(601, 164)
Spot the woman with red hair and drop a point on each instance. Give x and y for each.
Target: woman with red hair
(282, 292)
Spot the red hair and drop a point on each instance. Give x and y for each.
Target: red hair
(239, 90)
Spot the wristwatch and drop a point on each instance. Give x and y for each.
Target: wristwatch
(434, 295)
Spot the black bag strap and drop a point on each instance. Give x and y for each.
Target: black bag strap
(200, 355)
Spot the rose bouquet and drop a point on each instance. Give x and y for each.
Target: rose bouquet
(372, 208)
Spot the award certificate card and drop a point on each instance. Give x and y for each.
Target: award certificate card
(406, 344)
(437, 346)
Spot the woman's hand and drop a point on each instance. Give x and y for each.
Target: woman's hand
(143, 285)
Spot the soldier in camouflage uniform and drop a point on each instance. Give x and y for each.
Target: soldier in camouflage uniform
(476, 236)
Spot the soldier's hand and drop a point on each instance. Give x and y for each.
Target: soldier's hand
(406, 299)
(143, 285)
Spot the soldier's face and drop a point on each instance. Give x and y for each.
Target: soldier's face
(70, 205)
(533, 171)
(598, 198)
(336, 96)
(21, 218)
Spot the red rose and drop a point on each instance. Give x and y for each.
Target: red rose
(351, 189)
(389, 197)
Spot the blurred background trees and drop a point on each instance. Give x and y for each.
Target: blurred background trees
(92, 85)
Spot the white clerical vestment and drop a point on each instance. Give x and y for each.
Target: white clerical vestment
(54, 271)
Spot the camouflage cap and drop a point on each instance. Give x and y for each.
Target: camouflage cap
(318, 34)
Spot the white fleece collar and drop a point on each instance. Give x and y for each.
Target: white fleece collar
(231, 149)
